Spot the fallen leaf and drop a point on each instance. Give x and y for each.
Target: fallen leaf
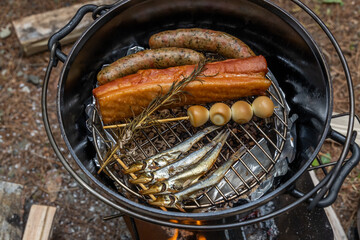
(326, 158)
(315, 163)
(5, 31)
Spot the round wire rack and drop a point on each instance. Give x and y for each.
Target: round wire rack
(262, 142)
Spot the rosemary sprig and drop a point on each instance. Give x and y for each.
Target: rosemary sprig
(171, 97)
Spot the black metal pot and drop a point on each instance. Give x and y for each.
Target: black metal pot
(292, 56)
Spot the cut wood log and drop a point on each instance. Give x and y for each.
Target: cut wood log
(10, 211)
(39, 223)
(340, 124)
(34, 31)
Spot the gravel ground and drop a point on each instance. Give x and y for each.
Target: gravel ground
(27, 158)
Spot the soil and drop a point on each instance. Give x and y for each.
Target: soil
(28, 159)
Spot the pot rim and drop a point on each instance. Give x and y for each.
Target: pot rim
(151, 213)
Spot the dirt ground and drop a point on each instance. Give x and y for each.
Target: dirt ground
(27, 158)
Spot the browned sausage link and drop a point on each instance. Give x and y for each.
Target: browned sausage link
(202, 39)
(153, 58)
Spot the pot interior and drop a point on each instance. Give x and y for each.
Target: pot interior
(291, 54)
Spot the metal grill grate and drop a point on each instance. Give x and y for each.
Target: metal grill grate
(262, 141)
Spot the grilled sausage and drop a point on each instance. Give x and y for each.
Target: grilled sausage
(202, 39)
(225, 80)
(153, 58)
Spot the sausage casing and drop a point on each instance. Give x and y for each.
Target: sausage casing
(152, 58)
(225, 80)
(202, 39)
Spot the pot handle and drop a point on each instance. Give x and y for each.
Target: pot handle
(70, 26)
(332, 187)
(52, 140)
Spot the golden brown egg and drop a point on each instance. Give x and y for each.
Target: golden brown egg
(198, 115)
(220, 114)
(263, 107)
(241, 112)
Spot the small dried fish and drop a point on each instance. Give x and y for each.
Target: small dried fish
(178, 166)
(175, 200)
(164, 158)
(191, 175)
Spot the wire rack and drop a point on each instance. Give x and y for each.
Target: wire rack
(266, 136)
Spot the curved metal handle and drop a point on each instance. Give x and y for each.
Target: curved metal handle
(71, 25)
(350, 128)
(339, 173)
(333, 187)
(53, 59)
(57, 54)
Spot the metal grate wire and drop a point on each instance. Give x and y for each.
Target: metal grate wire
(104, 139)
